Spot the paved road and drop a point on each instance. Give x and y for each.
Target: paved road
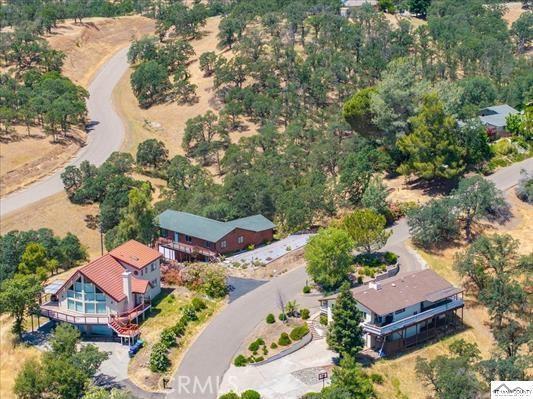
(105, 137)
(207, 360)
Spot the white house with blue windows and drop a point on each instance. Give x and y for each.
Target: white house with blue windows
(108, 295)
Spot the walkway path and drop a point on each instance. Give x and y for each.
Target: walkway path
(105, 136)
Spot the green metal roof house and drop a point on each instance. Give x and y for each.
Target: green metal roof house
(184, 236)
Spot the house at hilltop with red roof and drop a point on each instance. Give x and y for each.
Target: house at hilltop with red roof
(108, 295)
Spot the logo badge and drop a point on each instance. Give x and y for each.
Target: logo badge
(511, 389)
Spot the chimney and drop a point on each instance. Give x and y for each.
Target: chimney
(126, 287)
(374, 285)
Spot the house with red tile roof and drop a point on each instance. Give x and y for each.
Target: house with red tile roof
(108, 295)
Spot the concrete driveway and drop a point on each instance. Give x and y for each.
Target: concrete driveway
(105, 135)
(271, 252)
(115, 368)
(287, 378)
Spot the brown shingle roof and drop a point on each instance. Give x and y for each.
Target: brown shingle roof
(403, 291)
(135, 254)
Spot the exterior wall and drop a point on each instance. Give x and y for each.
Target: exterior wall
(112, 306)
(146, 273)
(231, 239)
(249, 238)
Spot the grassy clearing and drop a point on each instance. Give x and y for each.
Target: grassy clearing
(12, 357)
(166, 311)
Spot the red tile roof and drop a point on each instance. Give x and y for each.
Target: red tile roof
(106, 273)
(135, 254)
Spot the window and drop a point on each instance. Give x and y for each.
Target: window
(208, 244)
(240, 240)
(84, 297)
(400, 311)
(152, 267)
(223, 244)
(188, 238)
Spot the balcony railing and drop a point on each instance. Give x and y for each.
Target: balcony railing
(53, 311)
(411, 320)
(186, 248)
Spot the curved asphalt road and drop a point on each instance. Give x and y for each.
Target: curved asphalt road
(105, 136)
(206, 361)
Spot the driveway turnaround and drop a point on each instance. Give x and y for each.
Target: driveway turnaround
(106, 135)
(287, 378)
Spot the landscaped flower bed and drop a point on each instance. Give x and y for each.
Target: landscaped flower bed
(373, 264)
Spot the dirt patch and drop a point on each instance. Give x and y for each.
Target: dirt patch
(166, 122)
(394, 20)
(12, 357)
(90, 44)
(513, 12)
(59, 214)
(30, 158)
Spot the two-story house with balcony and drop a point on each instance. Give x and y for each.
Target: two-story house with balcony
(404, 310)
(108, 295)
(187, 237)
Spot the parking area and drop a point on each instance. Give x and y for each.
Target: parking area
(269, 253)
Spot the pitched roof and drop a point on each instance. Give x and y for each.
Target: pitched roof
(403, 291)
(209, 229)
(106, 273)
(135, 254)
(496, 115)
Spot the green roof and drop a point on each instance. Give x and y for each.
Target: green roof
(209, 229)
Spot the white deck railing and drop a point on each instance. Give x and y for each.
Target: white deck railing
(408, 321)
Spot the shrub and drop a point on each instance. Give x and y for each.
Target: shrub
(299, 332)
(282, 317)
(259, 359)
(179, 328)
(284, 339)
(240, 361)
(524, 190)
(503, 147)
(260, 341)
(189, 313)
(307, 289)
(265, 350)
(229, 395)
(254, 346)
(168, 337)
(390, 258)
(250, 394)
(198, 304)
(359, 280)
(323, 319)
(159, 361)
(273, 345)
(376, 378)
(304, 314)
(270, 319)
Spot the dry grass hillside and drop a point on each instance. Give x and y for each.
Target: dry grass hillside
(399, 373)
(167, 121)
(87, 47)
(90, 44)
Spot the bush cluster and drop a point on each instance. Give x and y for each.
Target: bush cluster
(284, 339)
(159, 361)
(299, 332)
(270, 319)
(304, 314)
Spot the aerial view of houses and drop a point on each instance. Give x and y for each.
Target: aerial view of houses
(260, 199)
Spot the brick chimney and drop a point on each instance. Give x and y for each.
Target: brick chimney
(126, 288)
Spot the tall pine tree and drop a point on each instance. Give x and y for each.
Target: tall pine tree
(345, 334)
